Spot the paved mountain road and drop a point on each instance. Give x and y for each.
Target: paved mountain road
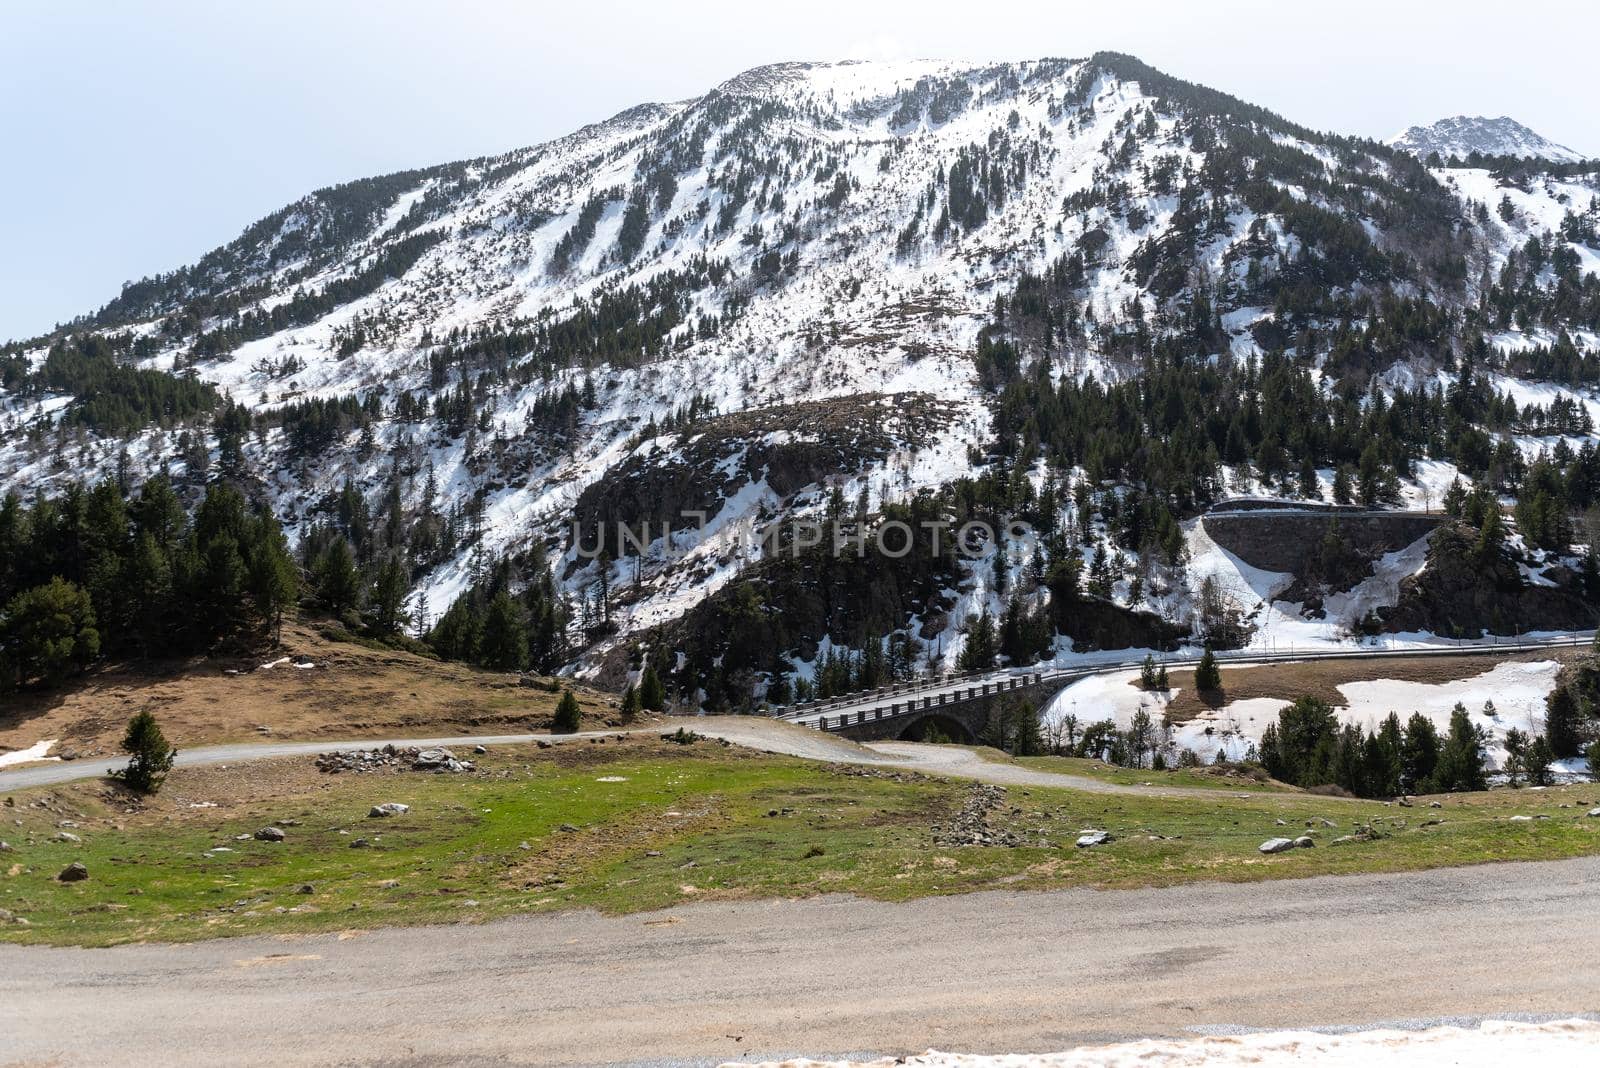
(991, 972)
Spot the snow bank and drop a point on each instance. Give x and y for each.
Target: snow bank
(1492, 1044)
(1517, 690)
(35, 751)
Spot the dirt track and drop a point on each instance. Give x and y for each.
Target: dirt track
(756, 732)
(989, 972)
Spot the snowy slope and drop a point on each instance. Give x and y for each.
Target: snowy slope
(800, 234)
(1462, 135)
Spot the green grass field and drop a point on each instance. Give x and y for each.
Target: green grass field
(643, 825)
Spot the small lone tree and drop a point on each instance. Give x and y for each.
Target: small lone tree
(1207, 677)
(1537, 760)
(568, 718)
(630, 704)
(150, 758)
(652, 695)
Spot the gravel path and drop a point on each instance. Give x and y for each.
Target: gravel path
(981, 972)
(755, 732)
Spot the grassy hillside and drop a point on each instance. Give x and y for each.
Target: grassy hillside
(640, 823)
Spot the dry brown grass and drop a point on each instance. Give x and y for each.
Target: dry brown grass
(354, 692)
(1321, 678)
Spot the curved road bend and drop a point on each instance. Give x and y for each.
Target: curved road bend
(754, 732)
(991, 972)
(799, 740)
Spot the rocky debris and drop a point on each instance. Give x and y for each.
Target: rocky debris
(1594, 813)
(388, 808)
(65, 836)
(5, 847)
(1304, 842)
(306, 888)
(7, 916)
(73, 873)
(439, 760)
(480, 749)
(363, 760)
(268, 834)
(971, 824)
(1277, 845)
(361, 843)
(1094, 838)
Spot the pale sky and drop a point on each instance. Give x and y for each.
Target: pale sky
(136, 136)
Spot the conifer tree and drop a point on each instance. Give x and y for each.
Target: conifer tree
(568, 717)
(1561, 722)
(652, 695)
(504, 645)
(150, 758)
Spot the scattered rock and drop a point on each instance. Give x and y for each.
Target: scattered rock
(1281, 823)
(1093, 838)
(388, 808)
(365, 760)
(439, 760)
(66, 836)
(361, 843)
(1434, 804)
(971, 824)
(73, 873)
(1521, 819)
(567, 828)
(1277, 845)
(1594, 813)
(268, 834)
(1304, 842)
(5, 847)
(480, 749)
(306, 888)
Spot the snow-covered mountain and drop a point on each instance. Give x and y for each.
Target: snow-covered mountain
(810, 283)
(1462, 135)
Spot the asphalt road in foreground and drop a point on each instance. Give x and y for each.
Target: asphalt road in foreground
(993, 972)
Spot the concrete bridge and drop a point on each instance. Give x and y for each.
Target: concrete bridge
(959, 707)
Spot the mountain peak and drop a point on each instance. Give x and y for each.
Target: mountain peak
(1461, 135)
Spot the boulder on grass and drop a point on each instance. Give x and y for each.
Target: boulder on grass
(73, 873)
(388, 808)
(1277, 845)
(269, 834)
